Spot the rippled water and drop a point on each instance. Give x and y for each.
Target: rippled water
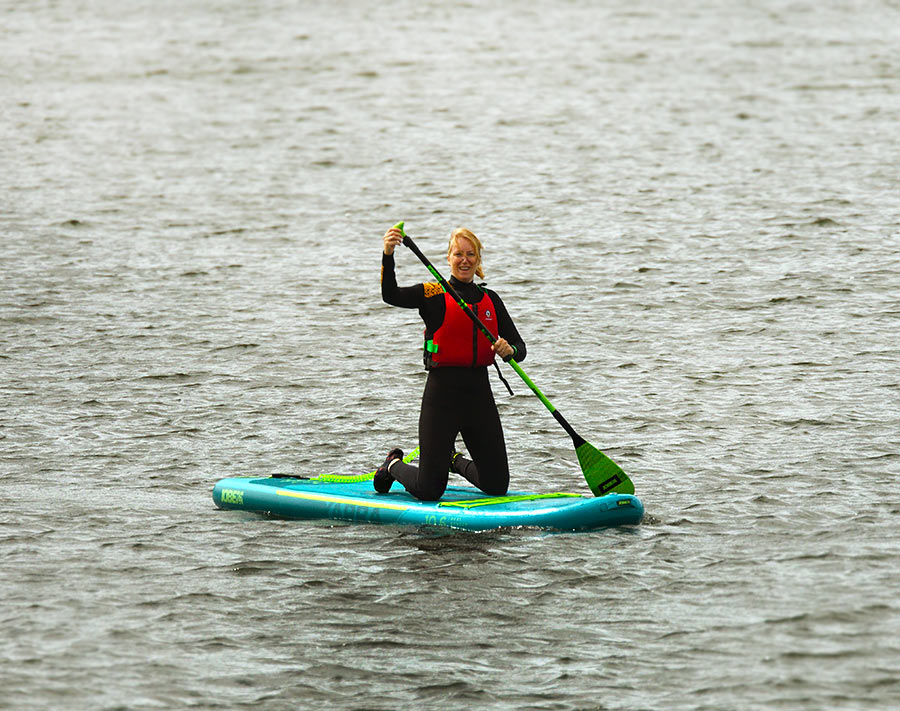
(691, 211)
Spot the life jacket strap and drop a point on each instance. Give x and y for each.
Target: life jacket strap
(502, 379)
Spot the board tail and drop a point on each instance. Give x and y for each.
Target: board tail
(602, 474)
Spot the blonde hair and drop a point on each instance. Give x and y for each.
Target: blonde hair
(462, 232)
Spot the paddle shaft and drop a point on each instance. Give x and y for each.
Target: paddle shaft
(576, 438)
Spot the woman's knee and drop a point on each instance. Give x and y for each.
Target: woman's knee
(497, 487)
(432, 491)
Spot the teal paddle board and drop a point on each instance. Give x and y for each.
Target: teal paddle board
(462, 507)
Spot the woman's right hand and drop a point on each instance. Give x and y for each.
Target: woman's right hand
(392, 238)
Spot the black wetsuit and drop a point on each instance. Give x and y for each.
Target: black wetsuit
(457, 400)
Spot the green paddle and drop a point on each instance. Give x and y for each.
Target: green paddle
(602, 474)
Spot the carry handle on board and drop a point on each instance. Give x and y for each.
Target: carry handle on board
(602, 474)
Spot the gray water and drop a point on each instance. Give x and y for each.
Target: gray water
(692, 211)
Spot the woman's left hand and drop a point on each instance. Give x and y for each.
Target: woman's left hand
(503, 349)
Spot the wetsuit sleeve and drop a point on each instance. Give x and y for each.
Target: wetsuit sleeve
(507, 329)
(407, 297)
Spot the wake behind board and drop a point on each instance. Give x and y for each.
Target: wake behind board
(462, 507)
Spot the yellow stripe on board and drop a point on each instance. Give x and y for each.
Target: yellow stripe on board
(339, 500)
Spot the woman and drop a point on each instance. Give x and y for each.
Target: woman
(458, 397)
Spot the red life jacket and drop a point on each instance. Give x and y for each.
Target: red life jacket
(458, 341)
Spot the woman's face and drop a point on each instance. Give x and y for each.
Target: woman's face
(463, 259)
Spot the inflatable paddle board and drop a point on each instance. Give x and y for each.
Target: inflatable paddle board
(464, 507)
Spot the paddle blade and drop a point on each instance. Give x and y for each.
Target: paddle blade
(602, 474)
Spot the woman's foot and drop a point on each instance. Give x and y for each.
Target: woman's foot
(383, 478)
